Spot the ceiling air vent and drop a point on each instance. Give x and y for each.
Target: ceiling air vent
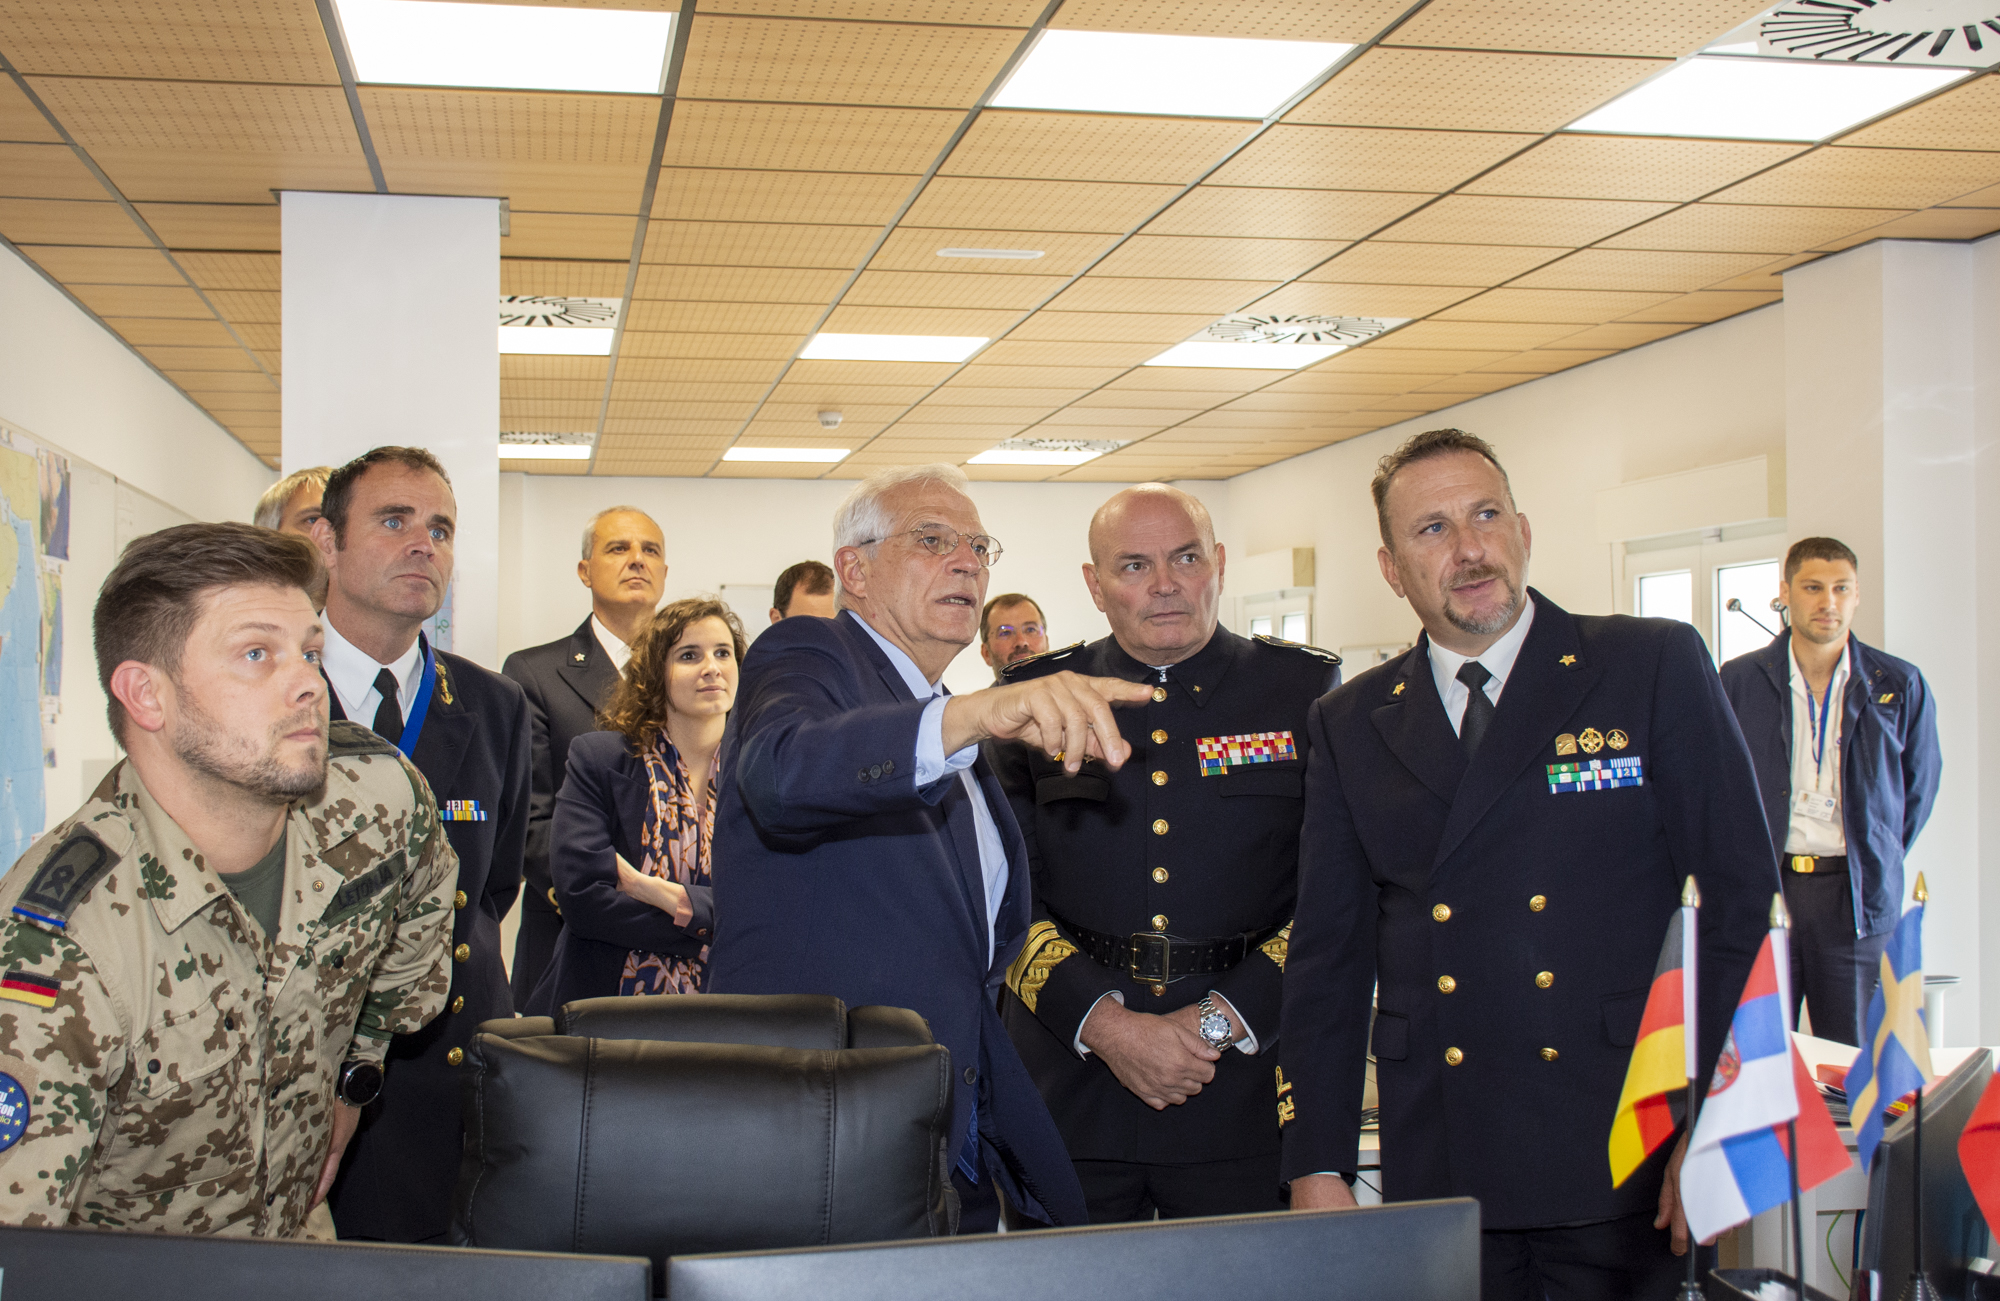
(1348, 330)
(1046, 451)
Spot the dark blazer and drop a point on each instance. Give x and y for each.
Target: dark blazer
(566, 682)
(1456, 886)
(1889, 762)
(397, 1178)
(1229, 858)
(601, 814)
(835, 874)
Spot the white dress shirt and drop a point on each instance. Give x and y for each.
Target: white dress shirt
(619, 652)
(1499, 661)
(933, 764)
(352, 672)
(1821, 837)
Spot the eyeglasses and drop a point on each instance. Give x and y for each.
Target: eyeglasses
(942, 541)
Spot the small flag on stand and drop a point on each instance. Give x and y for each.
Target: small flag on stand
(1979, 1153)
(1896, 1045)
(1651, 1106)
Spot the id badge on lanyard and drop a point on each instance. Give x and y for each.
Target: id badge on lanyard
(1819, 804)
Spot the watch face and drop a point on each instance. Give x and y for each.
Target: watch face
(360, 1082)
(1215, 1027)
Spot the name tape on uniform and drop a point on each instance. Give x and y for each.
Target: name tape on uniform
(462, 811)
(1596, 775)
(1218, 754)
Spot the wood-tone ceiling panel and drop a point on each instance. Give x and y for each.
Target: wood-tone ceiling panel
(511, 126)
(710, 430)
(1629, 167)
(970, 436)
(1870, 178)
(1468, 90)
(540, 187)
(1018, 351)
(234, 270)
(21, 120)
(551, 390)
(1283, 214)
(1112, 294)
(1747, 228)
(915, 248)
(870, 373)
(206, 332)
(1620, 335)
(228, 177)
(1768, 278)
(1361, 158)
(172, 358)
(830, 198)
(564, 235)
(680, 370)
(246, 226)
(1109, 327)
(32, 171)
(1191, 380)
(944, 413)
(1464, 218)
(1126, 420)
(1575, 306)
(1392, 263)
(673, 410)
(539, 413)
(807, 137)
(258, 307)
(562, 278)
(1546, 361)
(1359, 382)
(1629, 27)
(1472, 385)
(949, 289)
(918, 320)
(1215, 258)
(262, 338)
(1305, 401)
(1129, 396)
(1090, 147)
(736, 284)
(1986, 198)
(742, 347)
(214, 40)
(1705, 306)
(1071, 379)
(104, 266)
(225, 399)
(1002, 203)
(747, 244)
(1471, 334)
(798, 417)
(1406, 301)
(1965, 117)
(68, 221)
(724, 318)
(1604, 268)
(1346, 21)
(1933, 223)
(842, 63)
(197, 117)
(219, 381)
(971, 13)
(1368, 359)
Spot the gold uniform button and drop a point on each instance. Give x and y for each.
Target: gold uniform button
(1550, 1054)
(1159, 779)
(458, 900)
(461, 953)
(1159, 876)
(455, 1056)
(318, 885)
(1159, 921)
(458, 1004)
(1159, 694)
(1446, 984)
(1538, 903)
(1159, 736)
(1159, 826)
(1441, 913)
(1543, 979)
(1453, 1057)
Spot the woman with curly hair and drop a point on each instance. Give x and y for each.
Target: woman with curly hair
(636, 815)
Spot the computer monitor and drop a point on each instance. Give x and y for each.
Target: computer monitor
(1414, 1251)
(1954, 1230)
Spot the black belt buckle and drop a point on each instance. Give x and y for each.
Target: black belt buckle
(1145, 944)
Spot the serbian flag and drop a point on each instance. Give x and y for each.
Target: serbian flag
(1979, 1153)
(1896, 1046)
(1651, 1103)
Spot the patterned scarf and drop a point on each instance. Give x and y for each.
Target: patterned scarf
(675, 842)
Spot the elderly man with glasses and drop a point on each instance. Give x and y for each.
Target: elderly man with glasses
(864, 848)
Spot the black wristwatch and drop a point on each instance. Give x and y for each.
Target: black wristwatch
(360, 1083)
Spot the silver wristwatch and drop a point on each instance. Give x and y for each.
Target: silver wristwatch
(1215, 1024)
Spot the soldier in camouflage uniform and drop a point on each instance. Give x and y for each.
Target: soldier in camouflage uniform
(171, 1040)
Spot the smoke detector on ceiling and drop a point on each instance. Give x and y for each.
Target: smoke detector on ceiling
(830, 419)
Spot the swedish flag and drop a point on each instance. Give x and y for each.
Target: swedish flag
(1896, 1051)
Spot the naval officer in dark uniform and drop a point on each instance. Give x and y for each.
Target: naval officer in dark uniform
(1498, 825)
(1148, 987)
(386, 536)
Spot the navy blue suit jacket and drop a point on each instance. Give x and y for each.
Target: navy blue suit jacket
(1889, 762)
(1415, 866)
(601, 814)
(835, 874)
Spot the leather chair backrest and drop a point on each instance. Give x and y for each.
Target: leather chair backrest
(638, 1147)
(773, 1020)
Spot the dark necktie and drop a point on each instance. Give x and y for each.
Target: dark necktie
(1478, 707)
(388, 714)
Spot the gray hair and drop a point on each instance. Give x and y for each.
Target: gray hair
(270, 512)
(590, 529)
(862, 518)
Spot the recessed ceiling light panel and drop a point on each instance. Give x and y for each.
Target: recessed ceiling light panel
(522, 46)
(817, 455)
(1731, 97)
(1046, 451)
(1177, 76)
(891, 347)
(515, 446)
(572, 342)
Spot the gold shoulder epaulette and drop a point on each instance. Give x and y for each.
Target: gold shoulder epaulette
(1046, 657)
(1314, 651)
(347, 738)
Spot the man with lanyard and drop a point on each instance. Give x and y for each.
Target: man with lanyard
(1844, 738)
(385, 533)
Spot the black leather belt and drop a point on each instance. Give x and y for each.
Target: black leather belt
(1157, 959)
(1816, 864)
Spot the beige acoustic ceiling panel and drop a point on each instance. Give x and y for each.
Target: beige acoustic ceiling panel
(1468, 90)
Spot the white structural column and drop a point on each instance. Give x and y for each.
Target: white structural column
(391, 312)
(1891, 393)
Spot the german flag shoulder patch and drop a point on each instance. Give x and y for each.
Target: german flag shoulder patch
(27, 987)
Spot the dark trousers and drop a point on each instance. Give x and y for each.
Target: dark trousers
(1118, 1191)
(1612, 1260)
(534, 949)
(1833, 971)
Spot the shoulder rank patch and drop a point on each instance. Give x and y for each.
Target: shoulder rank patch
(344, 738)
(1314, 651)
(64, 878)
(27, 987)
(1046, 657)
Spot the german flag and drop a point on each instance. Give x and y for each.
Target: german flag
(1650, 1104)
(27, 987)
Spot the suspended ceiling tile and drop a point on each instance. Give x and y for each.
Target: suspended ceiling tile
(943, 434)
(1126, 395)
(973, 13)
(206, 332)
(551, 390)
(1370, 359)
(1307, 401)
(1878, 178)
(1705, 306)
(1092, 147)
(981, 417)
(171, 358)
(1629, 27)
(565, 235)
(1470, 334)
(1768, 278)
(1359, 300)
(677, 369)
(527, 187)
(1069, 379)
(1469, 90)
(1353, 382)
(1010, 473)
(1935, 223)
(228, 177)
(262, 337)
(1348, 22)
(1096, 293)
(738, 411)
(1967, 116)
(1603, 268)
(1358, 158)
(913, 248)
(1283, 214)
(870, 373)
(68, 221)
(45, 171)
(748, 244)
(1621, 334)
(1389, 262)
(143, 300)
(1415, 404)
(1986, 198)
(637, 343)
(217, 381)
(251, 271)
(1007, 203)
(1110, 327)
(20, 119)
(1210, 380)
(779, 431)
(736, 284)
(1125, 418)
(1745, 228)
(1472, 384)
(1574, 306)
(220, 400)
(947, 289)
(807, 137)
(918, 320)
(220, 40)
(715, 194)
(1016, 352)
(1209, 257)
(516, 413)
(1464, 218)
(715, 431)
(104, 266)
(195, 117)
(498, 126)
(1630, 167)
(724, 318)
(842, 63)
(247, 226)
(1546, 361)
(563, 278)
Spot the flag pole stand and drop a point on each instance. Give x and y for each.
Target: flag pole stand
(1798, 1219)
(1919, 1288)
(1691, 1289)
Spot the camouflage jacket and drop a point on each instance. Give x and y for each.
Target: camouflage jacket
(163, 1066)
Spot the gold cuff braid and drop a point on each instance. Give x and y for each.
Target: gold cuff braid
(1044, 948)
(1278, 947)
